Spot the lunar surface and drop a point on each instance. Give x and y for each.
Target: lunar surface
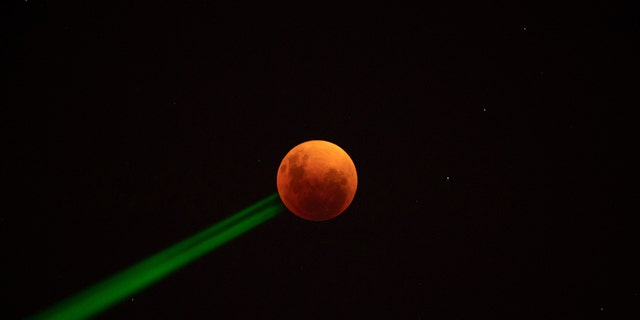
(317, 180)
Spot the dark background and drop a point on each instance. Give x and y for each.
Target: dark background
(488, 141)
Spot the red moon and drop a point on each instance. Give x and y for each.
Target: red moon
(317, 180)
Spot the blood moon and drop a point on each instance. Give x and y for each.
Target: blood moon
(317, 180)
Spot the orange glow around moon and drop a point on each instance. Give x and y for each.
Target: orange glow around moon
(317, 180)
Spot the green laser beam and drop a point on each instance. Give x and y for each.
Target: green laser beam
(105, 294)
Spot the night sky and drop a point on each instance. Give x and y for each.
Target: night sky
(486, 139)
